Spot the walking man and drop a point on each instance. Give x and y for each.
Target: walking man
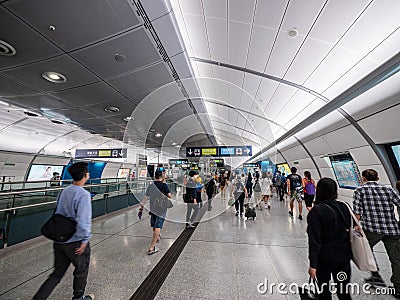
(295, 189)
(374, 206)
(73, 202)
(190, 200)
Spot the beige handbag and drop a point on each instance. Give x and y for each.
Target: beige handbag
(363, 257)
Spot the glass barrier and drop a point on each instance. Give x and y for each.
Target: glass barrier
(23, 212)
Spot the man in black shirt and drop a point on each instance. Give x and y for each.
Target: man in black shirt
(190, 199)
(295, 188)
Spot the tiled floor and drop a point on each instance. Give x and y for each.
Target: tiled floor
(226, 258)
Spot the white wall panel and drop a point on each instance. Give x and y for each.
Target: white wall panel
(344, 138)
(318, 146)
(45, 160)
(364, 156)
(322, 162)
(327, 172)
(384, 126)
(295, 153)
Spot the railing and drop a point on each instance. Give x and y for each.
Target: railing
(23, 212)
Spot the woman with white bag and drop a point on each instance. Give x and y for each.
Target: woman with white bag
(329, 240)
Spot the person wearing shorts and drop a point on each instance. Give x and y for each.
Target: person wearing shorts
(295, 189)
(154, 191)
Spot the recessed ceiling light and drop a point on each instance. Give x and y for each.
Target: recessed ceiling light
(119, 57)
(111, 109)
(54, 77)
(177, 146)
(4, 103)
(128, 119)
(52, 27)
(6, 49)
(293, 33)
(158, 135)
(173, 144)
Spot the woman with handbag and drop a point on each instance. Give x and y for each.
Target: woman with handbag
(329, 241)
(160, 196)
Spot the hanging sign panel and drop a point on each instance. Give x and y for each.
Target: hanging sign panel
(100, 153)
(219, 151)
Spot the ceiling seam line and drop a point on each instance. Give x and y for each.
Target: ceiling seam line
(270, 54)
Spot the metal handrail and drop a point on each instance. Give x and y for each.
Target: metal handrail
(26, 206)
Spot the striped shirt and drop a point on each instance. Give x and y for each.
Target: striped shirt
(375, 203)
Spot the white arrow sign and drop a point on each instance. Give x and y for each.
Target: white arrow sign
(247, 150)
(190, 152)
(121, 153)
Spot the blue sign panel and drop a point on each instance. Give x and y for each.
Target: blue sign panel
(219, 151)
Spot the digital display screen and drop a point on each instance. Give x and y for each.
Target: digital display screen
(123, 173)
(43, 172)
(283, 168)
(346, 171)
(393, 151)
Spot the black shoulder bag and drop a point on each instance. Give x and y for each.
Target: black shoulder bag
(59, 228)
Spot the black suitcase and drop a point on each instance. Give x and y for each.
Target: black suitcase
(250, 213)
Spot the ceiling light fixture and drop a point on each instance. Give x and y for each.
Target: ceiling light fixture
(173, 144)
(111, 109)
(6, 49)
(4, 103)
(31, 114)
(158, 135)
(293, 32)
(119, 57)
(177, 146)
(126, 119)
(57, 122)
(54, 77)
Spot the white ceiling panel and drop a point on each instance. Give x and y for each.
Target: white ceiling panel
(221, 73)
(250, 86)
(296, 105)
(280, 98)
(374, 25)
(192, 7)
(310, 55)
(241, 121)
(217, 36)
(282, 55)
(198, 37)
(266, 90)
(352, 76)
(336, 18)
(215, 9)
(205, 71)
(241, 11)
(239, 37)
(387, 48)
(303, 114)
(379, 97)
(260, 47)
(333, 67)
(318, 146)
(270, 13)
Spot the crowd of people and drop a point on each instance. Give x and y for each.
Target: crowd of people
(329, 220)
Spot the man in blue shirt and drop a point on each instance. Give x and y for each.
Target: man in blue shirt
(73, 202)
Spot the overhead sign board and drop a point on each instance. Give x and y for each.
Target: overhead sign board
(100, 153)
(219, 151)
(178, 161)
(250, 165)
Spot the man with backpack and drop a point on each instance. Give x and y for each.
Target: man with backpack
(280, 183)
(295, 188)
(190, 199)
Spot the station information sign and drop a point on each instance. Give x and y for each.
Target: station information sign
(250, 165)
(219, 151)
(100, 153)
(178, 161)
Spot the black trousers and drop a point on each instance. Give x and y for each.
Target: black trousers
(191, 218)
(341, 276)
(239, 201)
(64, 255)
(281, 192)
(209, 200)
